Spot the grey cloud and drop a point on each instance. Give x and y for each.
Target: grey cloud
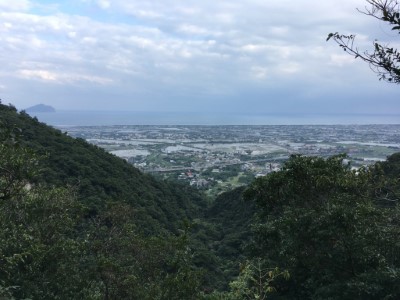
(164, 53)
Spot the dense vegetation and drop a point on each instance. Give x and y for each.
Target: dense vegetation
(67, 235)
(100, 177)
(79, 223)
(334, 229)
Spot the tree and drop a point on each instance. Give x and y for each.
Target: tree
(384, 60)
(52, 247)
(128, 265)
(17, 164)
(319, 220)
(40, 252)
(255, 281)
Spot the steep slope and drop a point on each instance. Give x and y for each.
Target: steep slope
(231, 217)
(51, 248)
(221, 237)
(101, 177)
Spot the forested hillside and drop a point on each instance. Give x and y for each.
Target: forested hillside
(79, 223)
(100, 177)
(335, 230)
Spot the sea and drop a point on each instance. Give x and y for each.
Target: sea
(108, 118)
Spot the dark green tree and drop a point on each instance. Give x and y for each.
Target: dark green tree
(319, 220)
(384, 60)
(129, 266)
(53, 247)
(40, 253)
(17, 164)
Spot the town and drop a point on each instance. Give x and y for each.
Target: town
(219, 158)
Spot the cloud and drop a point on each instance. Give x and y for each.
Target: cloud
(15, 5)
(192, 29)
(341, 60)
(163, 52)
(62, 77)
(104, 4)
(40, 74)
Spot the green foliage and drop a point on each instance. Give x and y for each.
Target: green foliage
(52, 247)
(224, 174)
(40, 254)
(390, 167)
(231, 217)
(318, 219)
(129, 266)
(220, 237)
(78, 223)
(100, 177)
(17, 165)
(255, 281)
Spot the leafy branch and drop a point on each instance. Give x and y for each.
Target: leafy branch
(384, 60)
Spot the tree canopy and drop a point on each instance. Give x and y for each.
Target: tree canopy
(330, 227)
(52, 247)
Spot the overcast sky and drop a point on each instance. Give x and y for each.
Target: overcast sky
(263, 56)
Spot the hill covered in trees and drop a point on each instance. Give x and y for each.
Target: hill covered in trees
(79, 223)
(100, 177)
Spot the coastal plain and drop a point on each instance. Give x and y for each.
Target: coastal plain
(219, 158)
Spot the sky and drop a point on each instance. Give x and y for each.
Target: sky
(236, 56)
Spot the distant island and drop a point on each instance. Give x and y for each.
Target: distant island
(40, 108)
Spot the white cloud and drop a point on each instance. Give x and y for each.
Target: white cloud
(15, 5)
(72, 34)
(192, 29)
(38, 74)
(104, 4)
(173, 47)
(289, 68)
(341, 59)
(62, 77)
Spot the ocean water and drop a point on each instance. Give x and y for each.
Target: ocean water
(99, 118)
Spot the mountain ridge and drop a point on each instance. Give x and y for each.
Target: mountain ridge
(40, 108)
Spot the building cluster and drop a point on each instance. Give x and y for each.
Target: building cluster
(204, 156)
